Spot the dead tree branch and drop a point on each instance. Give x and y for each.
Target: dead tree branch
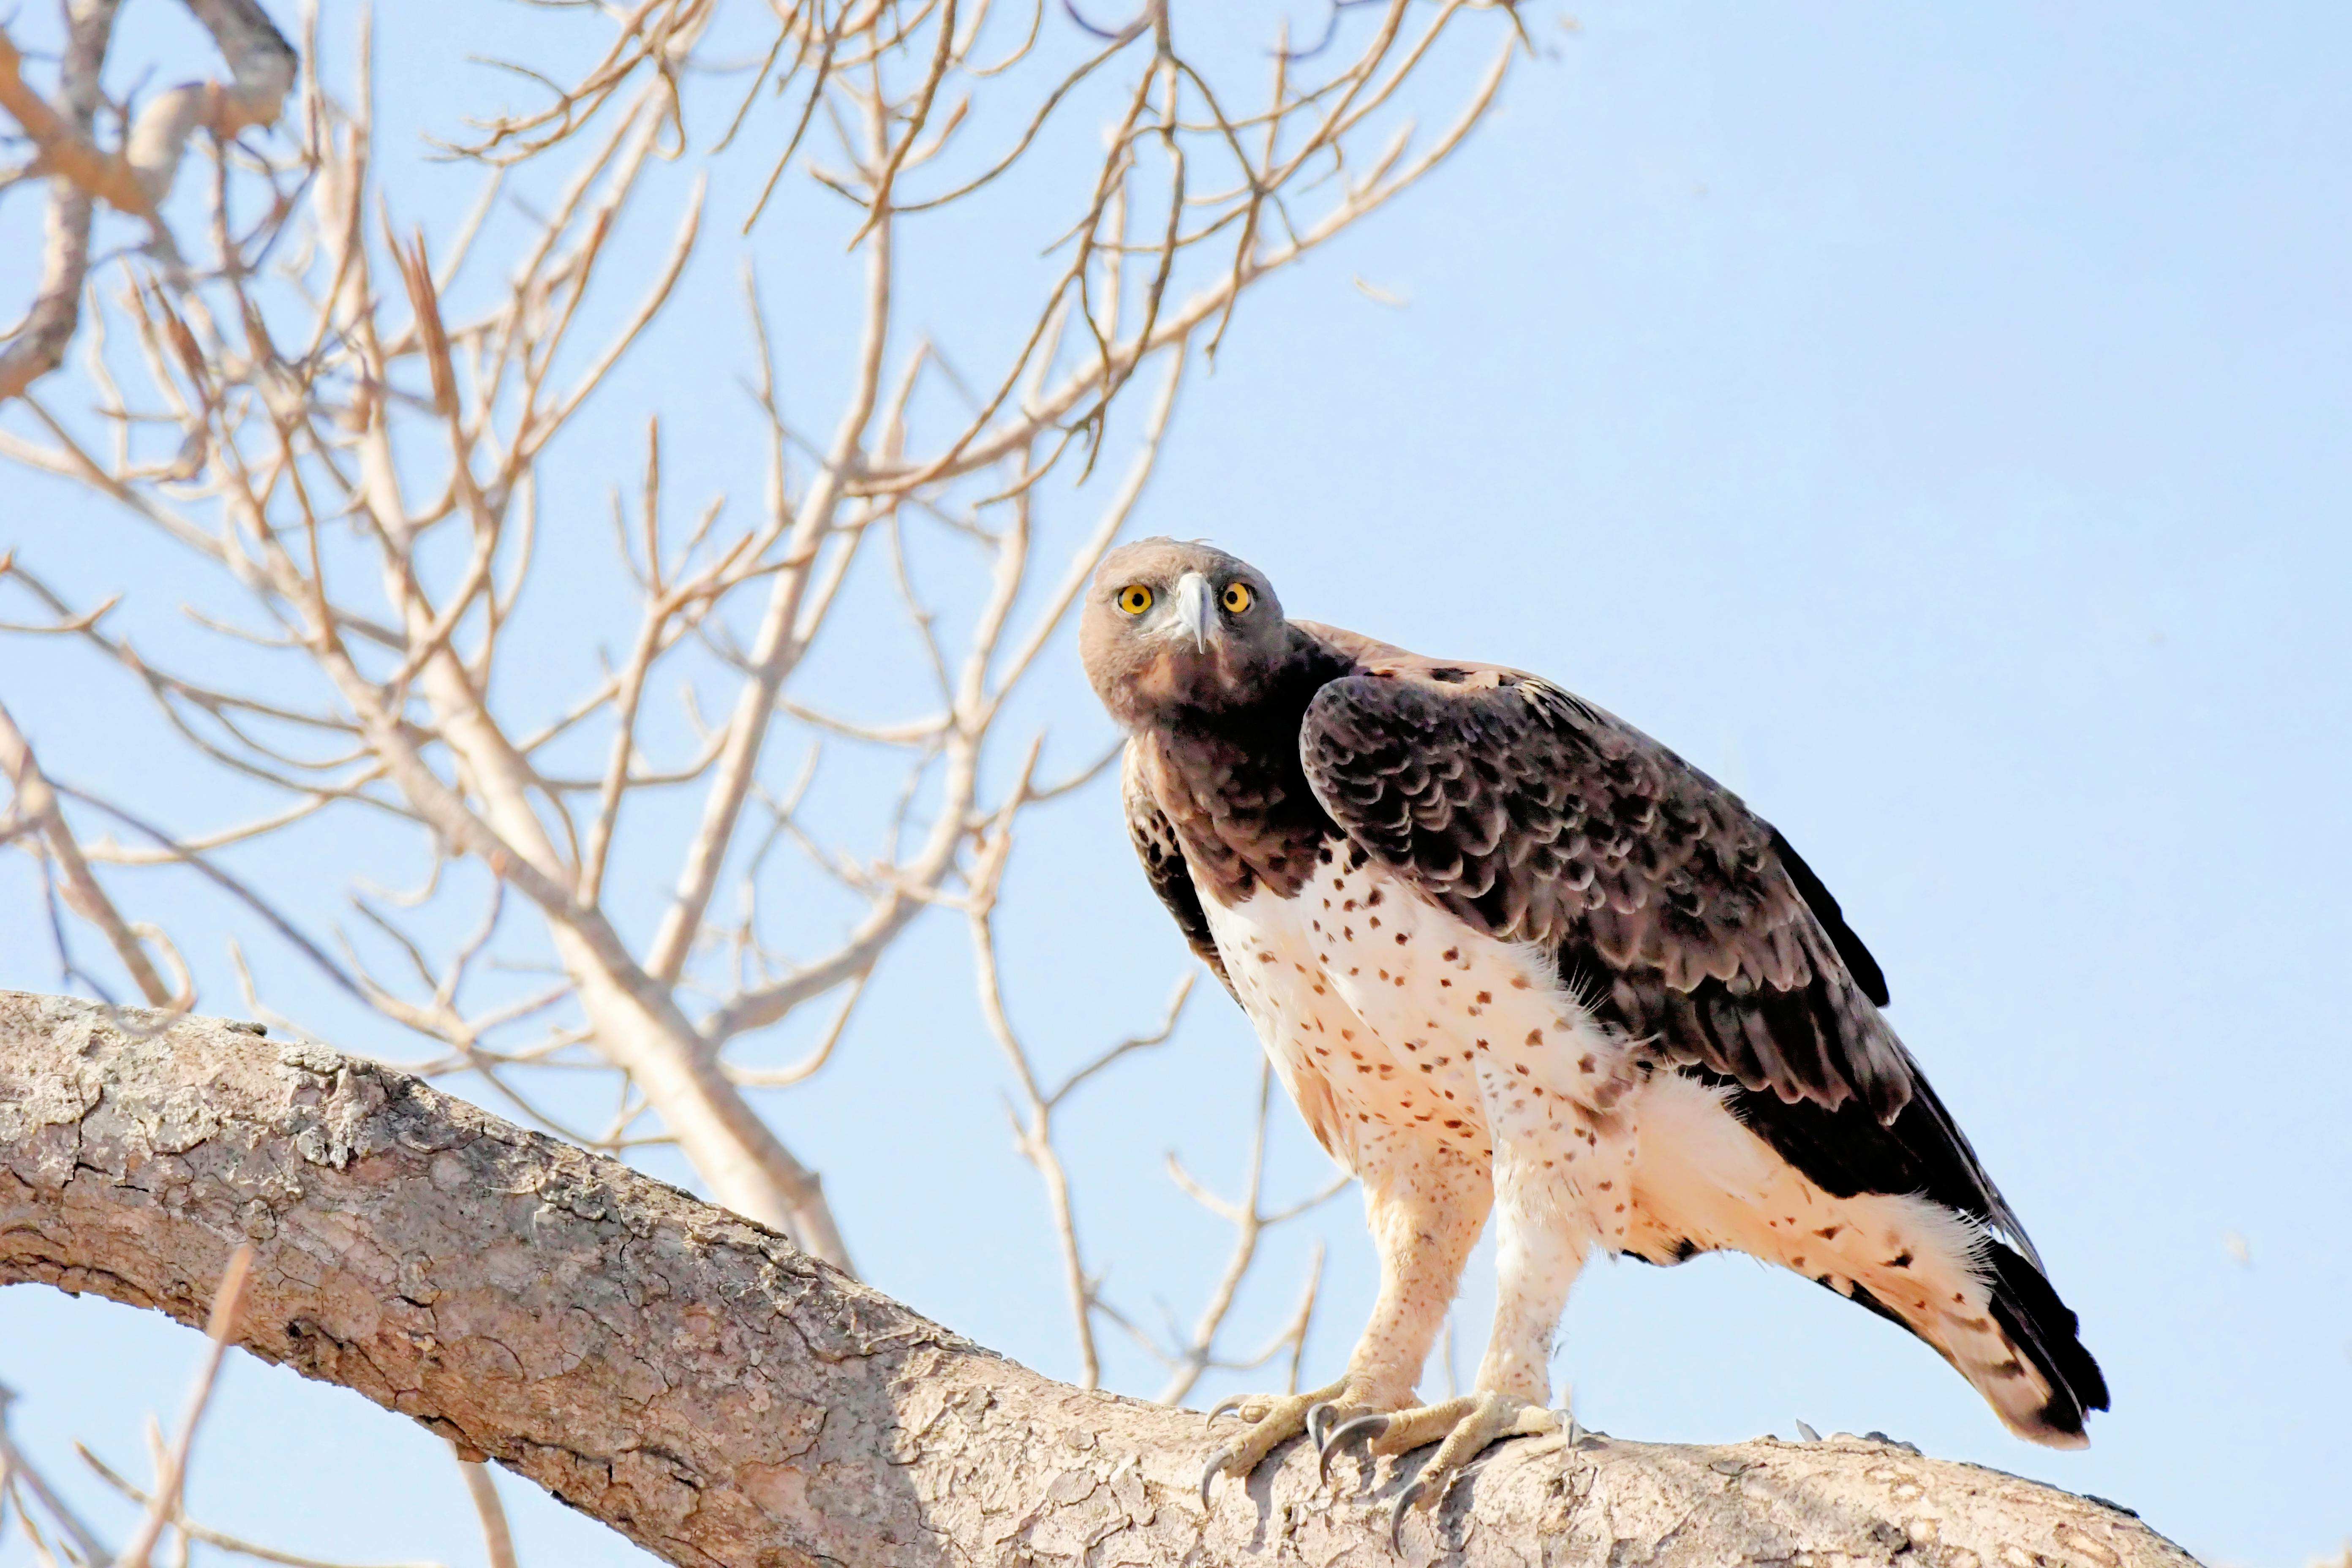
(348, 428)
(138, 178)
(41, 339)
(36, 812)
(716, 1394)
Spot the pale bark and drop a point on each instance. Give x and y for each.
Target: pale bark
(718, 1396)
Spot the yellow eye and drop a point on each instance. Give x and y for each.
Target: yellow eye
(1135, 598)
(1237, 597)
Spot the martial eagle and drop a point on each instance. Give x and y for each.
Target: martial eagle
(1508, 954)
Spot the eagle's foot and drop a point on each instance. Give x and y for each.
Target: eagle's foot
(1274, 1419)
(1463, 1429)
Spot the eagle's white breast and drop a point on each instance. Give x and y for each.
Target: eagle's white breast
(1387, 1015)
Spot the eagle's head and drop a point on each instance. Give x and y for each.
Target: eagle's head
(1176, 626)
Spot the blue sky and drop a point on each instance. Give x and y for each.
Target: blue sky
(1932, 423)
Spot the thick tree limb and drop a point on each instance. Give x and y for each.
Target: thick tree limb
(719, 1397)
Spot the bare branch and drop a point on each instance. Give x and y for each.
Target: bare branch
(497, 1541)
(190, 1530)
(65, 147)
(15, 1472)
(808, 1065)
(35, 805)
(1197, 1352)
(777, 649)
(1132, 1043)
(40, 340)
(182, 854)
(363, 463)
(221, 1329)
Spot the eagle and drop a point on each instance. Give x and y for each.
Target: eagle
(1511, 956)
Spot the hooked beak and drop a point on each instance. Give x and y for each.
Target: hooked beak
(1196, 612)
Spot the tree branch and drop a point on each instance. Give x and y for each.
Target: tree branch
(37, 804)
(716, 1395)
(40, 340)
(262, 66)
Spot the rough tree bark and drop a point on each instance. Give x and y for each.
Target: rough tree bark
(697, 1383)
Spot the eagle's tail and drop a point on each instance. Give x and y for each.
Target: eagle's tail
(2042, 1330)
(1706, 1180)
(1976, 1302)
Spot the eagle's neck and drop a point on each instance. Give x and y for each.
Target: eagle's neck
(1231, 782)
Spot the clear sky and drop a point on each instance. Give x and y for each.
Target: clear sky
(1931, 421)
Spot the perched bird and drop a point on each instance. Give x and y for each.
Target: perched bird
(1506, 952)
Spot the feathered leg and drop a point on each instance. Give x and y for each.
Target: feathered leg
(1563, 1177)
(1539, 1250)
(1427, 1204)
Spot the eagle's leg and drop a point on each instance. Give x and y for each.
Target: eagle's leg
(1426, 1205)
(1563, 1180)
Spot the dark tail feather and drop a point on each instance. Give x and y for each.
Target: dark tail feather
(2043, 1330)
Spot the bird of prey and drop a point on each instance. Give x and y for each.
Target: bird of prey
(1508, 954)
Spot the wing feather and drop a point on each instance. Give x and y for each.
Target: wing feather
(1675, 912)
(1156, 845)
(1538, 818)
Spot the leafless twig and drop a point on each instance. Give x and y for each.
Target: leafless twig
(164, 1504)
(313, 405)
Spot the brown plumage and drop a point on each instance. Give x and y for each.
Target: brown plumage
(1694, 1006)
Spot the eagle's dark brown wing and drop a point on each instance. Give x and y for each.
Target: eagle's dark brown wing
(1164, 862)
(1682, 917)
(1679, 915)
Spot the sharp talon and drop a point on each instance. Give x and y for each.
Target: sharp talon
(1396, 1518)
(1806, 1433)
(1228, 1405)
(1209, 1476)
(1575, 1433)
(1338, 1436)
(1314, 1415)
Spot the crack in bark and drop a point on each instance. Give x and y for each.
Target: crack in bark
(690, 1378)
